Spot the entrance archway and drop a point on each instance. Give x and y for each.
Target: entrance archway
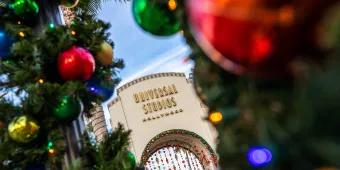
(183, 147)
(174, 158)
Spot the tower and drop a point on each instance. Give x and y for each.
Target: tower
(97, 122)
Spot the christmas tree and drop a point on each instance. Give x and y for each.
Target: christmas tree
(57, 73)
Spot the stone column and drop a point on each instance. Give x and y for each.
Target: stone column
(98, 123)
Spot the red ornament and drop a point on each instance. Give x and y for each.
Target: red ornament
(2, 125)
(76, 63)
(254, 35)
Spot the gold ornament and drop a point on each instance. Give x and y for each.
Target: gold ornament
(23, 129)
(69, 3)
(105, 55)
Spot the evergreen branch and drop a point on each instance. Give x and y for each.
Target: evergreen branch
(2, 95)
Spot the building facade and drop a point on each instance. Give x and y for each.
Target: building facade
(167, 120)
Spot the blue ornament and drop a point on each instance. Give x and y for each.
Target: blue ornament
(259, 156)
(100, 88)
(6, 43)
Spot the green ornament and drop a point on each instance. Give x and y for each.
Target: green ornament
(132, 158)
(24, 8)
(68, 108)
(157, 17)
(23, 129)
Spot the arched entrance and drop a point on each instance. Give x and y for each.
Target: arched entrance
(172, 157)
(176, 149)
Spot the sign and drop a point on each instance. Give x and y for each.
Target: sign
(158, 102)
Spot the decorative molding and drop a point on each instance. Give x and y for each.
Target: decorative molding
(114, 101)
(151, 76)
(162, 115)
(151, 148)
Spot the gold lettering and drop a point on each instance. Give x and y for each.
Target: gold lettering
(174, 88)
(145, 109)
(154, 106)
(164, 104)
(146, 95)
(136, 98)
(168, 103)
(160, 107)
(160, 91)
(165, 91)
(174, 103)
(156, 93)
(149, 107)
(150, 92)
(141, 95)
(170, 90)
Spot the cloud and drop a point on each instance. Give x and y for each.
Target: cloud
(171, 61)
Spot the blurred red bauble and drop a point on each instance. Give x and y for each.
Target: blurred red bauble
(76, 63)
(258, 36)
(2, 124)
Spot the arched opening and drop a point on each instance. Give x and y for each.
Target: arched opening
(178, 148)
(172, 157)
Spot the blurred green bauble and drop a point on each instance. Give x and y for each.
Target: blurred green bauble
(23, 129)
(24, 8)
(157, 17)
(132, 159)
(68, 108)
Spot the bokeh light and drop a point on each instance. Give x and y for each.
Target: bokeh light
(259, 156)
(215, 117)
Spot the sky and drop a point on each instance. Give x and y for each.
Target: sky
(142, 52)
